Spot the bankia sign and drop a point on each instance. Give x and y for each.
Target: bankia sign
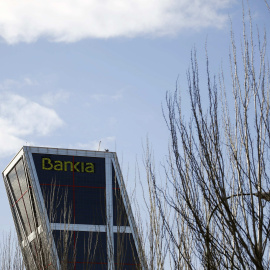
(58, 165)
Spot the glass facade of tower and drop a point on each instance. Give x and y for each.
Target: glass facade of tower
(71, 210)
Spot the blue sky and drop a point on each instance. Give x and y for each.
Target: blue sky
(73, 74)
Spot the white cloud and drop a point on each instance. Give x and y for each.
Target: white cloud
(9, 144)
(19, 118)
(29, 81)
(51, 98)
(10, 84)
(105, 97)
(69, 20)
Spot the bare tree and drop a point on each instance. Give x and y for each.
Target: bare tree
(159, 252)
(267, 4)
(218, 189)
(163, 247)
(10, 253)
(156, 245)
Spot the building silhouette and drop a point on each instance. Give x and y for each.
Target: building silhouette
(71, 210)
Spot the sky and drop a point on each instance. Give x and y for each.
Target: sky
(74, 73)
